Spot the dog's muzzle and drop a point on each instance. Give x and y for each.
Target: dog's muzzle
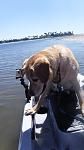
(31, 93)
(44, 86)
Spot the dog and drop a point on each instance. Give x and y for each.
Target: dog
(43, 70)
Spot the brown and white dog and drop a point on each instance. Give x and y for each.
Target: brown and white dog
(41, 70)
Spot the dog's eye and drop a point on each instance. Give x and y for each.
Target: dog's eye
(34, 80)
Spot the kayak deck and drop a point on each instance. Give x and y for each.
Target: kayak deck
(49, 135)
(59, 129)
(44, 138)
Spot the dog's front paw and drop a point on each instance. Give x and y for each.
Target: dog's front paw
(82, 112)
(31, 111)
(82, 109)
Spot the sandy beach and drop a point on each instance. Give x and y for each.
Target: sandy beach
(76, 37)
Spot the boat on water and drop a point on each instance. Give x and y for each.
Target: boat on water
(54, 127)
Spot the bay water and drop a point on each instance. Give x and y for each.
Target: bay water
(12, 98)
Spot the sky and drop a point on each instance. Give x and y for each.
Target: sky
(22, 18)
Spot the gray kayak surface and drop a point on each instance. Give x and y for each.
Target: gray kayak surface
(52, 130)
(44, 137)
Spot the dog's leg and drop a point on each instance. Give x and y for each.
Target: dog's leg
(42, 97)
(81, 100)
(80, 95)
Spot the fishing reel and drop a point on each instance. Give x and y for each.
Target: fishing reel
(19, 74)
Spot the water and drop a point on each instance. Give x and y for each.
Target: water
(11, 93)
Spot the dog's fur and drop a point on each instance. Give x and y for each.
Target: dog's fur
(41, 69)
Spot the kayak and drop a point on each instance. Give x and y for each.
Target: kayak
(54, 127)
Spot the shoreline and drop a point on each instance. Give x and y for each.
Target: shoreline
(75, 37)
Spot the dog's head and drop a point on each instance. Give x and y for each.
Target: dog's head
(37, 72)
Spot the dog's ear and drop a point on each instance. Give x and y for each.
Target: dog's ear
(31, 72)
(42, 70)
(24, 63)
(23, 68)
